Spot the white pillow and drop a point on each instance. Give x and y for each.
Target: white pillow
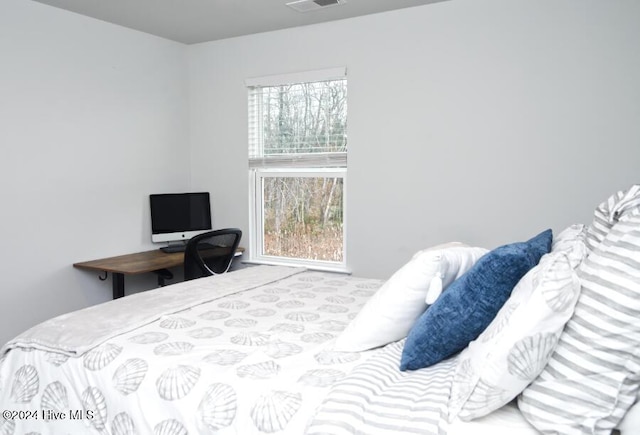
(391, 312)
(517, 345)
(606, 214)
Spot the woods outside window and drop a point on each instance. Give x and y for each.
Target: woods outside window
(298, 168)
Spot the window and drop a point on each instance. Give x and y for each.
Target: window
(298, 168)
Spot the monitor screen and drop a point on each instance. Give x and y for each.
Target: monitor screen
(179, 216)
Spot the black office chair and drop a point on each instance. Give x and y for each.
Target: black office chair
(210, 253)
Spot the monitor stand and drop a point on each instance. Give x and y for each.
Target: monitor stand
(174, 247)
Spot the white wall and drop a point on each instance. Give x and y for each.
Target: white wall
(93, 118)
(479, 121)
(505, 117)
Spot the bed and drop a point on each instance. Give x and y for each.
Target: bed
(271, 349)
(241, 352)
(249, 352)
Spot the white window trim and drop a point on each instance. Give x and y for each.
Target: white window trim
(256, 218)
(298, 77)
(311, 165)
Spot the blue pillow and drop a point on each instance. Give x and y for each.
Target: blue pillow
(470, 303)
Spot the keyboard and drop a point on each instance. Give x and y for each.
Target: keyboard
(173, 248)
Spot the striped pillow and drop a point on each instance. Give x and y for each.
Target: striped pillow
(594, 374)
(605, 214)
(375, 398)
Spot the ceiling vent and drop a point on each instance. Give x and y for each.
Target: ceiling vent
(313, 5)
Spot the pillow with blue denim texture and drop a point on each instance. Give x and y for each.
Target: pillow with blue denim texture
(470, 303)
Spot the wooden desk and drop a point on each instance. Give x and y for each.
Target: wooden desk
(134, 264)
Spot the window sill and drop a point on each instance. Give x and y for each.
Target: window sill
(317, 267)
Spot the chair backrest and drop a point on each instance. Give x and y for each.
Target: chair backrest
(210, 253)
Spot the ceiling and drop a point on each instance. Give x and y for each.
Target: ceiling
(193, 21)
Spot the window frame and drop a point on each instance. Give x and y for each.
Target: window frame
(319, 165)
(256, 221)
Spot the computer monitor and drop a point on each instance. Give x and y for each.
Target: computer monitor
(179, 216)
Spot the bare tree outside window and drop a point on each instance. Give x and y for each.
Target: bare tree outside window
(305, 118)
(300, 129)
(303, 218)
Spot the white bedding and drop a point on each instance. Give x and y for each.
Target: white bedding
(378, 399)
(69, 334)
(247, 363)
(248, 352)
(507, 420)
